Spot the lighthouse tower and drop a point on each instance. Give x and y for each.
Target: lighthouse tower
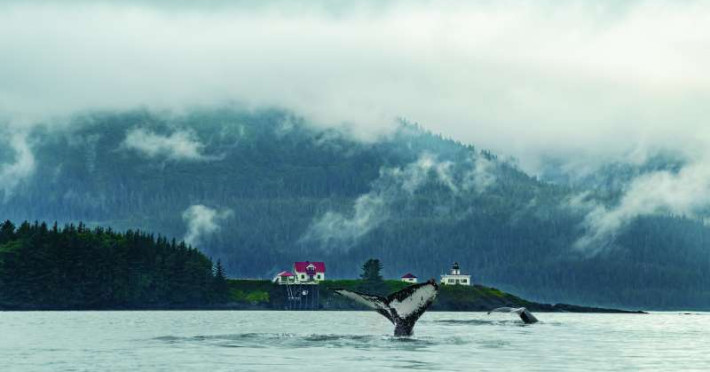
(454, 277)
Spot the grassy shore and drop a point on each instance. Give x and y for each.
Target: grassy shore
(263, 295)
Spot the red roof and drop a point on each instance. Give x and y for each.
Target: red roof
(284, 273)
(408, 276)
(301, 266)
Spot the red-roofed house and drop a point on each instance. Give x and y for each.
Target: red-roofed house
(284, 277)
(409, 278)
(307, 271)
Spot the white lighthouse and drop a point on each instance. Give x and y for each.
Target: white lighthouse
(454, 277)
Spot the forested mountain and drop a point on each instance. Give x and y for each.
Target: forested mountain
(261, 189)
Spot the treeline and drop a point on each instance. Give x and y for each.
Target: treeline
(75, 267)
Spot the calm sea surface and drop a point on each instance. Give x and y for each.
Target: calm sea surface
(349, 341)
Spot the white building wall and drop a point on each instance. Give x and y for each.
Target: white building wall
(301, 276)
(456, 279)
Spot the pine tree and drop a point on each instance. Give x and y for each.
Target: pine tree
(371, 279)
(371, 270)
(7, 232)
(220, 287)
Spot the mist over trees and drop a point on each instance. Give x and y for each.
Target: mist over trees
(259, 190)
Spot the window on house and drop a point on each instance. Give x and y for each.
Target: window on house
(464, 281)
(303, 276)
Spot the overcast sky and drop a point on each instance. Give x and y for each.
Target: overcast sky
(583, 79)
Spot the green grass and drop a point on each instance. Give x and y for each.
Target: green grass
(265, 294)
(252, 292)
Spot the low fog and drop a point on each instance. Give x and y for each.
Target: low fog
(203, 221)
(336, 231)
(524, 78)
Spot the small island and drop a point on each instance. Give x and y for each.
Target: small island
(79, 268)
(307, 289)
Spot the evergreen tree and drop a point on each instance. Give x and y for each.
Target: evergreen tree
(371, 279)
(7, 232)
(371, 270)
(220, 287)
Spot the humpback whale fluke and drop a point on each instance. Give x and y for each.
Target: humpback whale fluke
(402, 308)
(525, 315)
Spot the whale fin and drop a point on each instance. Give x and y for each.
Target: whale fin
(376, 303)
(410, 303)
(524, 314)
(402, 308)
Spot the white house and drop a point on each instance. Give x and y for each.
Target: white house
(309, 272)
(454, 277)
(284, 277)
(409, 278)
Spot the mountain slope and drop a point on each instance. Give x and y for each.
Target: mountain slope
(259, 190)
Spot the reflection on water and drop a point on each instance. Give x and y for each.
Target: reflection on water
(348, 341)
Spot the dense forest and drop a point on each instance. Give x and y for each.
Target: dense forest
(76, 267)
(262, 189)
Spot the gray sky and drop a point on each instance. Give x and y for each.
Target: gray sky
(587, 80)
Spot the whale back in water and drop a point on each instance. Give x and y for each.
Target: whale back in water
(402, 308)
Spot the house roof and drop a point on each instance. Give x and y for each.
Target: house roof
(301, 266)
(409, 276)
(284, 273)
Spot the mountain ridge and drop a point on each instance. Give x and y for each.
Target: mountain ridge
(266, 188)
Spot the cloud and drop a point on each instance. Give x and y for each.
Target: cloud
(532, 79)
(203, 221)
(22, 167)
(394, 186)
(683, 193)
(581, 82)
(336, 230)
(179, 145)
(481, 176)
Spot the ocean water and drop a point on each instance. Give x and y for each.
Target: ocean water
(349, 341)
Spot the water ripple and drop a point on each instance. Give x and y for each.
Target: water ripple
(292, 340)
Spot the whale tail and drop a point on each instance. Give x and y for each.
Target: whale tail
(524, 314)
(402, 308)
